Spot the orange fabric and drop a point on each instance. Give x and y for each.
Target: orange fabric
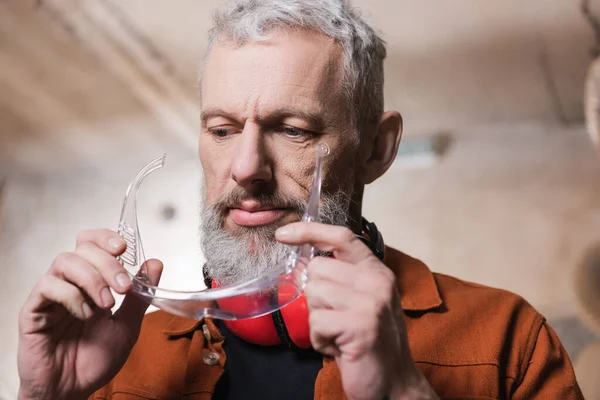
(470, 342)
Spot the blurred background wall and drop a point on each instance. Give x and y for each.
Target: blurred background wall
(91, 90)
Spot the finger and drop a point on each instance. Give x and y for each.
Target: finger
(331, 269)
(107, 265)
(367, 277)
(335, 296)
(76, 270)
(105, 239)
(51, 289)
(330, 238)
(133, 308)
(329, 330)
(350, 333)
(51, 316)
(327, 349)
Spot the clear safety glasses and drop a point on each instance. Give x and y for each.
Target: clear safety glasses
(260, 296)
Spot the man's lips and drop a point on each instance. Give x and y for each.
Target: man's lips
(246, 216)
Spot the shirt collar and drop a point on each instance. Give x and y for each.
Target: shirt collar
(416, 283)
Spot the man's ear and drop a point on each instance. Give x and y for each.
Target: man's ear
(380, 149)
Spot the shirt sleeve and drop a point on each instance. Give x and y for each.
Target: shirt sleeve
(549, 373)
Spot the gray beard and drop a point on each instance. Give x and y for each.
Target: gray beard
(232, 259)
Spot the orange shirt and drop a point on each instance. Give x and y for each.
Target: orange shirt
(470, 342)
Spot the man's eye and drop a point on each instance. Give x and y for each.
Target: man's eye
(295, 132)
(219, 132)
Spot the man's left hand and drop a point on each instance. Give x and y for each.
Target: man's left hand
(356, 316)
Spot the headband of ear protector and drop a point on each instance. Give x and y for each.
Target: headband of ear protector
(289, 325)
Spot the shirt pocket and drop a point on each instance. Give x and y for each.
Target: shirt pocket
(463, 381)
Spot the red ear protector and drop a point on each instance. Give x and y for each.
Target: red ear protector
(289, 325)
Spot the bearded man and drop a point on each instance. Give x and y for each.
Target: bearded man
(280, 77)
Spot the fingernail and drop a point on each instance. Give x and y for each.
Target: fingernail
(106, 297)
(123, 280)
(282, 232)
(87, 311)
(115, 243)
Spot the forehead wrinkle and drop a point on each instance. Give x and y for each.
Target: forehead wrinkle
(315, 80)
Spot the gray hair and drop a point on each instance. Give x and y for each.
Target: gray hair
(364, 51)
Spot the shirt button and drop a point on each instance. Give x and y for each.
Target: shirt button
(211, 358)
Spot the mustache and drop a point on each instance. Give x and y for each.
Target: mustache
(269, 198)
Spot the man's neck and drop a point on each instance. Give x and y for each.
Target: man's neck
(355, 213)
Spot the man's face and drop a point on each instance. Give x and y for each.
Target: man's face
(264, 108)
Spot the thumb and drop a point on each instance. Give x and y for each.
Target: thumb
(132, 310)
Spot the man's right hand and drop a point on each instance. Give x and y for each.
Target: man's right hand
(70, 344)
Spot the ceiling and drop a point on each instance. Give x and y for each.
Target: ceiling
(90, 83)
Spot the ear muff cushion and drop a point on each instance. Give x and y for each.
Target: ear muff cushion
(262, 330)
(295, 316)
(259, 330)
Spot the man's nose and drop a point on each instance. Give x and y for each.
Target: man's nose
(251, 164)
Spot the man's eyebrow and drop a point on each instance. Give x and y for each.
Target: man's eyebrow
(205, 115)
(314, 119)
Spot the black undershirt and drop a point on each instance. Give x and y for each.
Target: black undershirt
(261, 372)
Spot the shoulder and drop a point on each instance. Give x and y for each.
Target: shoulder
(498, 323)
(458, 297)
(481, 300)
(472, 324)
